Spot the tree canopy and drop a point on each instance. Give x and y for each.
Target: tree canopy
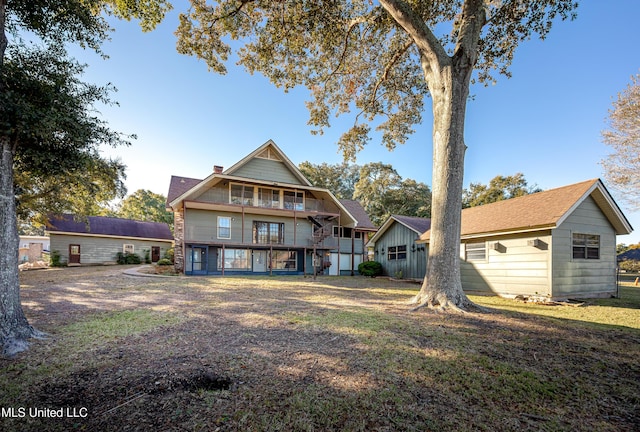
(145, 205)
(49, 128)
(622, 167)
(499, 188)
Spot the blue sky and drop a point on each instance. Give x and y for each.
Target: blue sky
(544, 122)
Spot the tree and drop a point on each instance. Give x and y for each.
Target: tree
(380, 59)
(145, 205)
(622, 167)
(48, 127)
(382, 192)
(340, 179)
(499, 188)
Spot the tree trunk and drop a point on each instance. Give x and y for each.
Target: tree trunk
(442, 286)
(14, 327)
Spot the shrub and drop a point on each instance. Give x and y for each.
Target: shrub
(128, 258)
(55, 260)
(169, 254)
(164, 262)
(147, 256)
(370, 268)
(630, 265)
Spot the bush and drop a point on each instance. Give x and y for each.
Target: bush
(164, 262)
(370, 268)
(55, 260)
(169, 255)
(630, 265)
(128, 258)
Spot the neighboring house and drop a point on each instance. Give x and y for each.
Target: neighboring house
(95, 240)
(32, 247)
(262, 216)
(629, 255)
(395, 246)
(555, 244)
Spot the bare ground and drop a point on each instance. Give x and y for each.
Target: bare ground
(298, 354)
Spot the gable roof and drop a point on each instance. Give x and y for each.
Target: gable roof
(180, 185)
(271, 148)
(541, 210)
(357, 211)
(415, 224)
(108, 227)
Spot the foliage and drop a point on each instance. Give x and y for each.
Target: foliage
(382, 192)
(370, 268)
(169, 254)
(340, 179)
(630, 265)
(164, 262)
(144, 205)
(622, 167)
(499, 188)
(55, 259)
(128, 258)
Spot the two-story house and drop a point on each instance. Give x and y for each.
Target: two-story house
(262, 216)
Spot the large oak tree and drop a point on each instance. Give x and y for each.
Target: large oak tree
(49, 130)
(378, 60)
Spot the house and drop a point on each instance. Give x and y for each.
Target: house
(32, 247)
(555, 244)
(262, 216)
(95, 240)
(395, 246)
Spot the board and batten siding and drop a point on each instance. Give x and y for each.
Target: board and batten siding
(267, 169)
(103, 250)
(414, 266)
(513, 267)
(584, 277)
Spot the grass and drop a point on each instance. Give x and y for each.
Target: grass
(332, 354)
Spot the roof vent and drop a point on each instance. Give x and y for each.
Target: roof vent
(217, 169)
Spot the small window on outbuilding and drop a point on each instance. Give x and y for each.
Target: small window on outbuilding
(397, 253)
(476, 251)
(128, 248)
(586, 246)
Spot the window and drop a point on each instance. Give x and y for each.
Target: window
(284, 260)
(397, 252)
(127, 248)
(586, 246)
(234, 259)
(346, 232)
(293, 200)
(269, 198)
(241, 194)
(224, 227)
(268, 233)
(476, 251)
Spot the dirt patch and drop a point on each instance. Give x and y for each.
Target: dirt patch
(191, 353)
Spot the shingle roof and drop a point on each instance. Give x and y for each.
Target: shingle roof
(357, 211)
(180, 185)
(538, 211)
(107, 226)
(417, 224)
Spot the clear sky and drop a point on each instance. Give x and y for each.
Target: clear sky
(545, 121)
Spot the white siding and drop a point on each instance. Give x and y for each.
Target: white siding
(584, 277)
(515, 268)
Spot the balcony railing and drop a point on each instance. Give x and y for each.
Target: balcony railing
(217, 196)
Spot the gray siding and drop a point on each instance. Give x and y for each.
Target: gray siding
(414, 266)
(266, 169)
(584, 277)
(201, 227)
(102, 250)
(514, 268)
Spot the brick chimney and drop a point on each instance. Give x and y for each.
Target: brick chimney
(217, 169)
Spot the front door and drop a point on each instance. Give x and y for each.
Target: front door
(74, 254)
(155, 253)
(198, 260)
(259, 261)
